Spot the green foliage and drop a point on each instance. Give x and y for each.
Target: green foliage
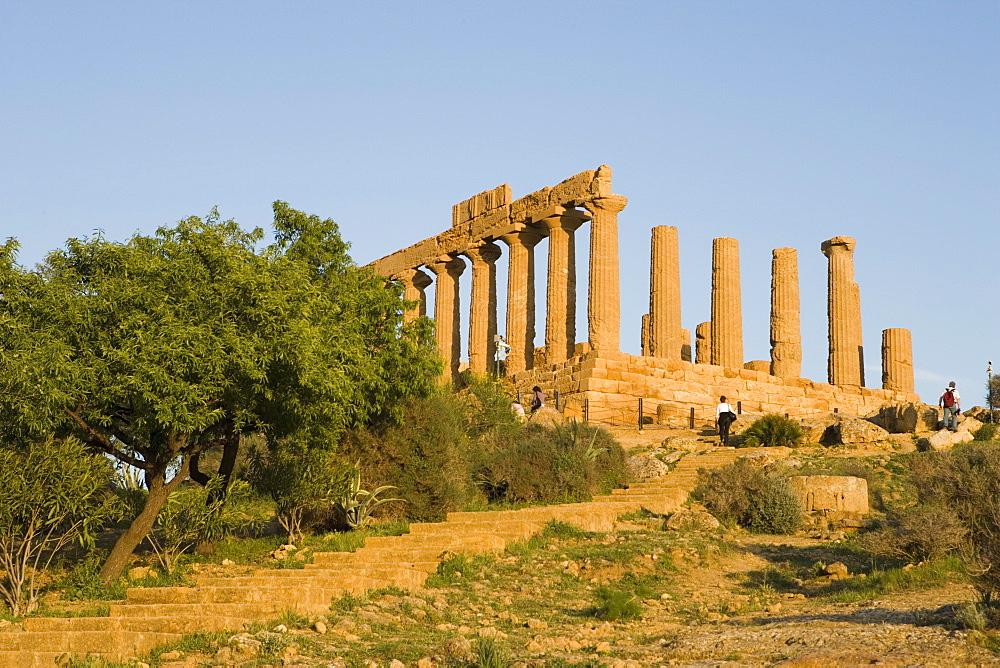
(356, 505)
(425, 454)
(988, 432)
(299, 480)
(83, 582)
(540, 464)
(52, 494)
(916, 533)
(195, 513)
(772, 430)
(623, 601)
(490, 653)
(758, 499)
(160, 348)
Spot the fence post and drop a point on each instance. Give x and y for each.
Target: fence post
(691, 419)
(557, 399)
(640, 413)
(739, 408)
(836, 410)
(586, 410)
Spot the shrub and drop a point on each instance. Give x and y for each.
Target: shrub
(772, 430)
(760, 500)
(987, 432)
(917, 533)
(51, 495)
(541, 464)
(621, 601)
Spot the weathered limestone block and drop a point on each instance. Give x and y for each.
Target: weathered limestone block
(686, 345)
(761, 366)
(906, 417)
(786, 336)
(665, 294)
(479, 204)
(944, 440)
(691, 519)
(703, 343)
(819, 430)
(646, 465)
(845, 365)
(831, 493)
(727, 314)
(852, 430)
(681, 443)
(897, 360)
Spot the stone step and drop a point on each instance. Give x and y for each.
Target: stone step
(39, 659)
(522, 528)
(483, 542)
(425, 567)
(172, 624)
(335, 576)
(307, 595)
(402, 556)
(107, 642)
(258, 610)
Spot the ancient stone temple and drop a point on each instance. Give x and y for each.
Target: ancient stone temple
(593, 377)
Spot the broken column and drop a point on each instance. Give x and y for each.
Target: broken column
(521, 299)
(727, 315)
(786, 335)
(560, 312)
(604, 296)
(446, 312)
(414, 281)
(483, 308)
(703, 343)
(664, 294)
(897, 360)
(845, 364)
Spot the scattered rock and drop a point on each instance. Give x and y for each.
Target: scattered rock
(943, 440)
(646, 465)
(852, 430)
(685, 443)
(691, 519)
(170, 656)
(320, 627)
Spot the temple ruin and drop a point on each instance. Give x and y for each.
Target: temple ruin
(594, 377)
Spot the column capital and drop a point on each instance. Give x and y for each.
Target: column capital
(527, 237)
(414, 277)
(568, 219)
(609, 204)
(487, 252)
(846, 243)
(454, 266)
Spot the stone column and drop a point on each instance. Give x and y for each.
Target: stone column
(414, 281)
(897, 360)
(685, 345)
(644, 336)
(665, 294)
(786, 334)
(604, 294)
(703, 343)
(560, 312)
(447, 313)
(845, 365)
(483, 309)
(521, 299)
(727, 314)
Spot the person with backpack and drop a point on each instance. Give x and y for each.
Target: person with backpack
(724, 417)
(950, 402)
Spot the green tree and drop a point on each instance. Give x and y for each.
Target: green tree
(162, 348)
(51, 495)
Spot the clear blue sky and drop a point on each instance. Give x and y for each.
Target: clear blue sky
(778, 123)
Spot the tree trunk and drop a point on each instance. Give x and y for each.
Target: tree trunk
(159, 490)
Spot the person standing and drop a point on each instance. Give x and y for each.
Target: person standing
(724, 417)
(951, 404)
(537, 398)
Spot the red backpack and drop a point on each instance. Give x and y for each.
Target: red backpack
(949, 398)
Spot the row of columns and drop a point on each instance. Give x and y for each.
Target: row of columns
(603, 307)
(720, 341)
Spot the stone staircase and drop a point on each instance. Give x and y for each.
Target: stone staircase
(154, 616)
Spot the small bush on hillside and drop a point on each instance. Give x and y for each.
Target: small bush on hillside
(545, 464)
(760, 500)
(988, 432)
(772, 430)
(917, 533)
(424, 455)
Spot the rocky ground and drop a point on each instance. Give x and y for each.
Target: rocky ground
(704, 599)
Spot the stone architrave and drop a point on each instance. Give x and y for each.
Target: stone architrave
(447, 318)
(664, 294)
(703, 343)
(414, 282)
(786, 334)
(560, 312)
(897, 360)
(483, 308)
(604, 293)
(845, 365)
(521, 298)
(727, 314)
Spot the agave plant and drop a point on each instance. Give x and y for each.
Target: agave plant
(356, 505)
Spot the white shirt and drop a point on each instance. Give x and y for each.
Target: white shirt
(723, 408)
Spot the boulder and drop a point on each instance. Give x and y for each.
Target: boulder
(819, 430)
(691, 519)
(969, 423)
(898, 417)
(546, 415)
(686, 443)
(826, 493)
(944, 440)
(645, 465)
(983, 414)
(759, 459)
(852, 430)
